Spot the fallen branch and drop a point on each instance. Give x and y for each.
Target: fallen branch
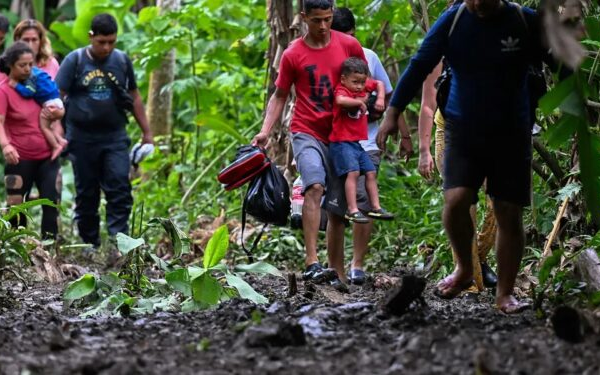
(555, 228)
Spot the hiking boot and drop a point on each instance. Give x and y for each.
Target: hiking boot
(489, 276)
(317, 274)
(380, 214)
(357, 277)
(356, 217)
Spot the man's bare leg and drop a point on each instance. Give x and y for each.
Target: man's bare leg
(335, 244)
(361, 236)
(510, 243)
(311, 218)
(459, 228)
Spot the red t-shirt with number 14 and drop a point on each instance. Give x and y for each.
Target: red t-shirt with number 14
(314, 73)
(350, 126)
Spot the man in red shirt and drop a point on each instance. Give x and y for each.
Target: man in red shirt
(312, 65)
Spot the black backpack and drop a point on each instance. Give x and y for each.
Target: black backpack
(268, 201)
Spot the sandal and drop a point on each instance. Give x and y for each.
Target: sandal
(357, 217)
(513, 307)
(451, 287)
(380, 214)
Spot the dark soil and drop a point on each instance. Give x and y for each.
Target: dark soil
(317, 331)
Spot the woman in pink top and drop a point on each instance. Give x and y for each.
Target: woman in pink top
(33, 33)
(24, 147)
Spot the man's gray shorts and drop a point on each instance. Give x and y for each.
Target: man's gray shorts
(362, 199)
(312, 161)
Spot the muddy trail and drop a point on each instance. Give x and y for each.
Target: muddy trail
(316, 331)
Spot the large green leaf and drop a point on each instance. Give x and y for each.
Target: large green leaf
(573, 105)
(206, 289)
(125, 243)
(195, 272)
(560, 132)
(216, 247)
(258, 267)
(557, 95)
(80, 288)
(147, 14)
(589, 164)
(180, 281)
(244, 289)
(39, 7)
(180, 241)
(64, 31)
(592, 26)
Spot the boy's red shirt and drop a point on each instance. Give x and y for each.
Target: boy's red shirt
(346, 126)
(314, 73)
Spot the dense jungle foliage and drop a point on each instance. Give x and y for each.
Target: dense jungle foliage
(219, 95)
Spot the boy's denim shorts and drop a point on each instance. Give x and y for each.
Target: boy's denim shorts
(349, 157)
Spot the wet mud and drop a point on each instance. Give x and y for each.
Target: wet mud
(316, 331)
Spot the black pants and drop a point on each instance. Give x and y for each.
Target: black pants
(100, 161)
(19, 180)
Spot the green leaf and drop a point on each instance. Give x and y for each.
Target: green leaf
(245, 290)
(573, 105)
(589, 164)
(217, 123)
(206, 289)
(163, 265)
(147, 14)
(80, 288)
(569, 190)
(592, 26)
(190, 305)
(180, 281)
(560, 132)
(160, 24)
(216, 247)
(125, 243)
(180, 241)
(595, 298)
(549, 264)
(258, 267)
(557, 95)
(39, 7)
(195, 272)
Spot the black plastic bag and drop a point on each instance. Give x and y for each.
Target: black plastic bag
(268, 197)
(268, 200)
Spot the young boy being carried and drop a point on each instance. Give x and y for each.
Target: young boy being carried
(350, 127)
(40, 87)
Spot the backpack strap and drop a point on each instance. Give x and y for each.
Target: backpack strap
(521, 15)
(460, 11)
(79, 63)
(122, 57)
(255, 243)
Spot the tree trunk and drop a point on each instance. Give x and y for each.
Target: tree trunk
(284, 28)
(159, 108)
(22, 8)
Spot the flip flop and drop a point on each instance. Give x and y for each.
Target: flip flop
(452, 288)
(513, 307)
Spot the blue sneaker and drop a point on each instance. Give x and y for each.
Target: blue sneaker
(357, 276)
(317, 274)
